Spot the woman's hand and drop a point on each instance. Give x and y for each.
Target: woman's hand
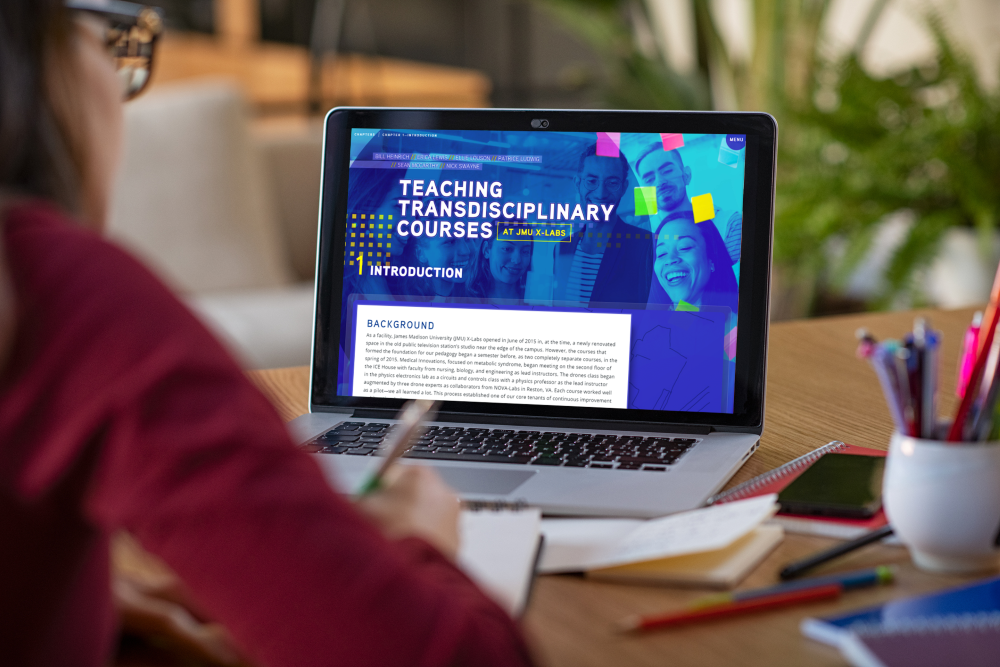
(414, 501)
(160, 616)
(152, 603)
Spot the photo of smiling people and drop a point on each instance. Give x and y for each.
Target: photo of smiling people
(501, 268)
(661, 167)
(691, 191)
(608, 261)
(694, 265)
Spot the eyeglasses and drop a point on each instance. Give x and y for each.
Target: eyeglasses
(132, 31)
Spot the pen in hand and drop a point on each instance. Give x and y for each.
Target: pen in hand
(411, 418)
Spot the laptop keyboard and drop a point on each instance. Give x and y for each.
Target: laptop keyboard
(497, 445)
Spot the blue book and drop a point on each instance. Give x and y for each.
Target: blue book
(976, 603)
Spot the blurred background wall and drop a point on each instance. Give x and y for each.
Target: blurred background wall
(889, 165)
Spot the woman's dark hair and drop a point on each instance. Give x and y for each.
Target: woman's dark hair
(37, 156)
(481, 283)
(722, 288)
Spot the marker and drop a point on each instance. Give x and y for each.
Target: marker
(968, 357)
(990, 319)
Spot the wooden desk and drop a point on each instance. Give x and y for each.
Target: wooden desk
(816, 392)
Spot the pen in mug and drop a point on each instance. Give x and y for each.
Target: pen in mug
(866, 343)
(914, 376)
(968, 357)
(901, 357)
(882, 357)
(984, 396)
(925, 344)
(870, 349)
(932, 378)
(884, 364)
(990, 317)
(411, 418)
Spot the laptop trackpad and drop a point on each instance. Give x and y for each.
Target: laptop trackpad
(476, 480)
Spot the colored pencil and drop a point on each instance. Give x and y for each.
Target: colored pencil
(728, 604)
(638, 624)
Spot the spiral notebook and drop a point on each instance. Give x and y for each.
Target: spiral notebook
(775, 480)
(970, 641)
(932, 621)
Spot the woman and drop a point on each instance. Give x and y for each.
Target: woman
(692, 265)
(118, 410)
(501, 269)
(693, 269)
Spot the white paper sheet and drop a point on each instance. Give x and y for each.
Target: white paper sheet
(574, 545)
(571, 542)
(497, 550)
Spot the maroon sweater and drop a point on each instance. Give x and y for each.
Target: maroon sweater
(119, 410)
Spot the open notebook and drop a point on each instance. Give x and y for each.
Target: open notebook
(714, 547)
(499, 549)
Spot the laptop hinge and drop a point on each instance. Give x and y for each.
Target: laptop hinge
(545, 422)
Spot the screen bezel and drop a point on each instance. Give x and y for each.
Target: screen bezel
(755, 257)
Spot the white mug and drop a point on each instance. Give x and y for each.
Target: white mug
(943, 501)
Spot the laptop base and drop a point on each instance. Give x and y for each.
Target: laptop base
(558, 490)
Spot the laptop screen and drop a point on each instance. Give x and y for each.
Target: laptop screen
(583, 269)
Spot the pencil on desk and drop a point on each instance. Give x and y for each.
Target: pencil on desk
(740, 602)
(638, 623)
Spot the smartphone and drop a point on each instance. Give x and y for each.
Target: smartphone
(837, 485)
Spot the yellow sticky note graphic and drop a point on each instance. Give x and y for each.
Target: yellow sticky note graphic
(704, 207)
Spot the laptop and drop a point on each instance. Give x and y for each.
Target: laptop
(568, 284)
